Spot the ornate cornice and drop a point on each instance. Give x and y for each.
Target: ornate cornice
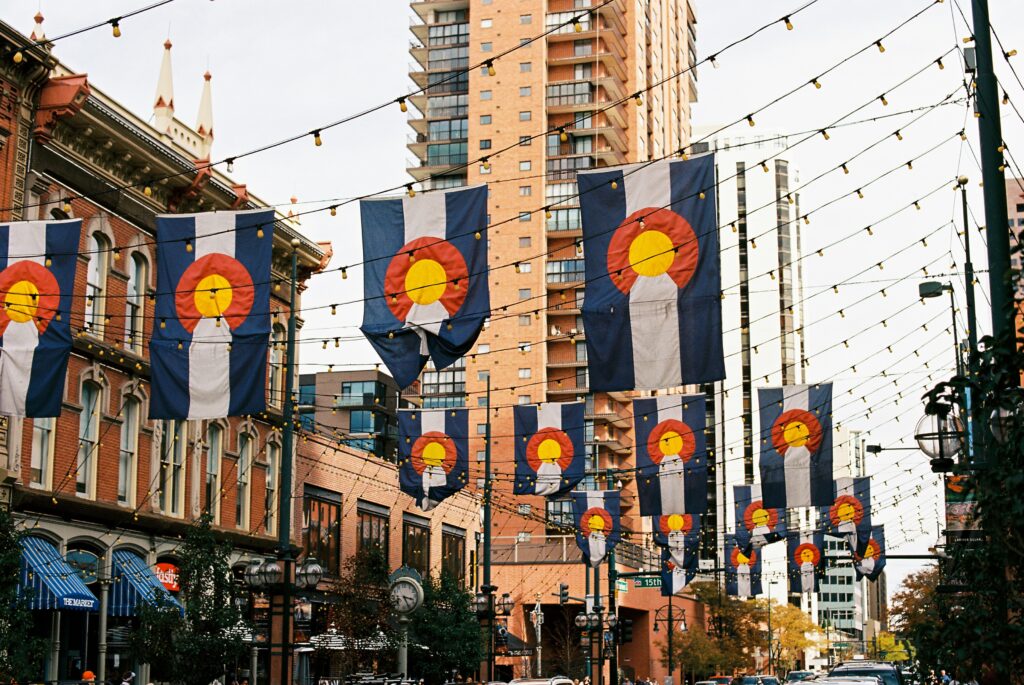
(61, 97)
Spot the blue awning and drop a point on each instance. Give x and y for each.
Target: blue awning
(49, 581)
(134, 582)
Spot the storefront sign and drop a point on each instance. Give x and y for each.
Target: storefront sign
(167, 574)
(85, 563)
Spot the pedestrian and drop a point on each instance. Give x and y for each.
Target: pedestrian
(88, 677)
(944, 677)
(127, 678)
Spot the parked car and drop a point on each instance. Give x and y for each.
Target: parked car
(889, 674)
(556, 680)
(767, 679)
(797, 676)
(721, 679)
(706, 682)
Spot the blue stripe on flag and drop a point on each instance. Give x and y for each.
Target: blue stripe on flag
(690, 410)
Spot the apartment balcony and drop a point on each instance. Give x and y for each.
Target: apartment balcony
(612, 14)
(568, 389)
(615, 445)
(417, 143)
(613, 63)
(423, 8)
(614, 137)
(573, 364)
(419, 52)
(566, 309)
(421, 169)
(612, 39)
(610, 418)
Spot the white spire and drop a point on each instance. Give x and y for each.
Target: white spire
(163, 107)
(37, 32)
(204, 120)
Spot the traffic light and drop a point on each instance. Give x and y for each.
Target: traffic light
(625, 627)
(563, 593)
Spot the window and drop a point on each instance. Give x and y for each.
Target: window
(88, 436)
(446, 153)
(171, 496)
(275, 390)
(447, 129)
(486, 47)
(525, 165)
(448, 34)
(525, 241)
(453, 553)
(525, 67)
(483, 375)
(572, 93)
(525, 372)
(525, 140)
(243, 468)
(524, 91)
(524, 399)
(481, 429)
(481, 455)
(321, 527)
(416, 544)
(485, 119)
(361, 393)
(270, 499)
(525, 18)
(374, 527)
(525, 116)
(525, 191)
(96, 281)
(484, 170)
(565, 271)
(486, 23)
(524, 319)
(485, 95)
(481, 401)
(525, 293)
(214, 456)
(126, 463)
(524, 216)
(485, 143)
(483, 348)
(42, 452)
(525, 347)
(558, 516)
(525, 268)
(135, 299)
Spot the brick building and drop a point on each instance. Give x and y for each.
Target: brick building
(104, 492)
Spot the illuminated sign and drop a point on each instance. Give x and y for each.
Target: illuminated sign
(167, 574)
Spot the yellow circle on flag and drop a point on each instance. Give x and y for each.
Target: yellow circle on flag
(870, 550)
(742, 558)
(426, 281)
(760, 518)
(676, 522)
(549, 451)
(845, 512)
(651, 253)
(807, 556)
(433, 454)
(21, 301)
(671, 443)
(596, 523)
(796, 433)
(213, 295)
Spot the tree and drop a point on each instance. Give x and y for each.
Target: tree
(790, 628)
(194, 647)
(21, 654)
(917, 613)
(694, 652)
(734, 626)
(362, 611)
(446, 625)
(562, 652)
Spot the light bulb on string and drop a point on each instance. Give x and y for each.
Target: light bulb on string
(115, 28)
(317, 140)
(788, 23)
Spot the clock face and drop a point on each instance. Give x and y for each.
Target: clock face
(405, 596)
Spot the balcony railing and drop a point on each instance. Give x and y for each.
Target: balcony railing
(562, 549)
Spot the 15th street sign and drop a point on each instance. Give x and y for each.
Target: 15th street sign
(653, 581)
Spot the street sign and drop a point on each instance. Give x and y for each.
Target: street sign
(654, 581)
(621, 585)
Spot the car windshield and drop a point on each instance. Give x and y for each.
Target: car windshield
(798, 675)
(749, 680)
(769, 680)
(888, 676)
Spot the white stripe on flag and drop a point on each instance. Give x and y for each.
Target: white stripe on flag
(653, 308)
(26, 242)
(743, 581)
(433, 476)
(807, 577)
(432, 420)
(549, 415)
(209, 361)
(844, 486)
(797, 460)
(425, 215)
(671, 481)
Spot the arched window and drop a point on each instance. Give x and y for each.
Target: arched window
(277, 359)
(88, 439)
(214, 456)
(273, 468)
(127, 464)
(96, 281)
(245, 442)
(135, 303)
(43, 432)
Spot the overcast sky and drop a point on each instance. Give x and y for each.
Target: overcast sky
(284, 68)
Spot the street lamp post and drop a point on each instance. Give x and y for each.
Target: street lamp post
(670, 628)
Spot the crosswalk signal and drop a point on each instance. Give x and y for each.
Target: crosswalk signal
(625, 630)
(563, 593)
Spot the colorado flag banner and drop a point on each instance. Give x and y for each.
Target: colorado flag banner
(433, 454)
(37, 275)
(671, 454)
(653, 279)
(756, 524)
(675, 578)
(550, 451)
(869, 560)
(849, 517)
(796, 445)
(679, 535)
(806, 560)
(209, 346)
(596, 518)
(426, 278)
(742, 567)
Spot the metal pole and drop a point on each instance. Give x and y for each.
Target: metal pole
(538, 622)
(975, 432)
(956, 335)
(488, 590)
(600, 625)
(613, 660)
(670, 631)
(987, 101)
(769, 626)
(284, 502)
(403, 645)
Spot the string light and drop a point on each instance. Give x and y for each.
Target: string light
(490, 68)
(576, 25)
(147, 191)
(115, 28)
(259, 231)
(344, 273)
(824, 134)
(18, 57)
(750, 119)
(638, 98)
(881, 48)
(860, 193)
(231, 164)
(1012, 52)
(409, 189)
(401, 105)
(898, 134)
(939, 62)
(882, 99)
(845, 168)
(188, 245)
(764, 166)
(789, 24)
(317, 140)
(816, 83)
(713, 60)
